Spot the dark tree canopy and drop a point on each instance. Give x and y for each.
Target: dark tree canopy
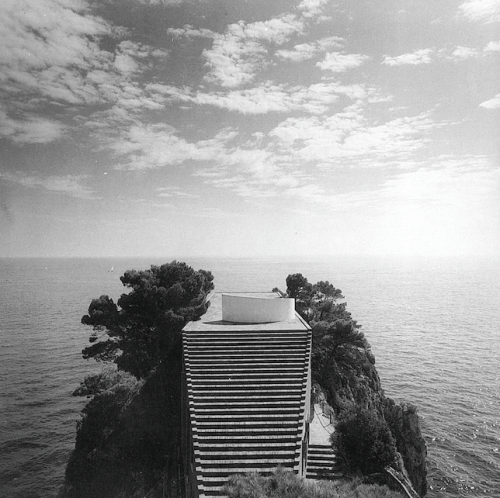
(139, 330)
(317, 302)
(338, 344)
(363, 439)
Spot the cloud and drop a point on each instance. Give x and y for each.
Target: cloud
(67, 184)
(237, 55)
(462, 53)
(189, 31)
(252, 174)
(337, 62)
(174, 192)
(486, 11)
(493, 46)
(143, 146)
(304, 51)
(446, 182)
(51, 64)
(414, 58)
(48, 45)
(312, 8)
(493, 103)
(31, 129)
(270, 97)
(215, 213)
(347, 136)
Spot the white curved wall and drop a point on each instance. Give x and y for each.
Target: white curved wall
(246, 309)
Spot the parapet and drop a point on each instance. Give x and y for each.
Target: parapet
(250, 309)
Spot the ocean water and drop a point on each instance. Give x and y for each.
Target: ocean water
(434, 327)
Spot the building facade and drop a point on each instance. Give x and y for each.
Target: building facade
(246, 390)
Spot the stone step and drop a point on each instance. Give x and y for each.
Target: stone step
(250, 341)
(277, 346)
(253, 401)
(252, 375)
(263, 355)
(244, 361)
(322, 460)
(236, 417)
(270, 453)
(249, 389)
(242, 396)
(242, 447)
(224, 460)
(237, 466)
(250, 431)
(321, 463)
(195, 375)
(252, 383)
(271, 424)
(211, 369)
(248, 410)
(319, 455)
(245, 384)
(244, 345)
(257, 346)
(242, 402)
(276, 438)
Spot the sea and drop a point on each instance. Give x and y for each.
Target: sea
(433, 324)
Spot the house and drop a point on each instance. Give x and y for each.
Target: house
(246, 390)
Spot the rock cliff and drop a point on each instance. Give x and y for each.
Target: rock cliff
(405, 426)
(360, 384)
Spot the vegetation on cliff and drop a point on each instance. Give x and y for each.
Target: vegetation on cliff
(129, 431)
(285, 484)
(139, 331)
(344, 368)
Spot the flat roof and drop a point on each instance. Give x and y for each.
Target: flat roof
(212, 319)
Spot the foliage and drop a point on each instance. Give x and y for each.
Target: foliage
(285, 484)
(130, 428)
(344, 367)
(138, 331)
(106, 380)
(342, 362)
(363, 440)
(128, 434)
(317, 302)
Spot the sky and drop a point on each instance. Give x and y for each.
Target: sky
(244, 128)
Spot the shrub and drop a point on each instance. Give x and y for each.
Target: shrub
(286, 484)
(363, 440)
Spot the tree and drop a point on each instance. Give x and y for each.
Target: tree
(317, 302)
(364, 441)
(339, 346)
(145, 324)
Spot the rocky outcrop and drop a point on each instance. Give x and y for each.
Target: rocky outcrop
(360, 385)
(128, 436)
(405, 426)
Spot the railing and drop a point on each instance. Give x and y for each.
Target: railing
(408, 490)
(159, 486)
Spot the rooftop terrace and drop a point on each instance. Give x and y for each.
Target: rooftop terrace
(265, 310)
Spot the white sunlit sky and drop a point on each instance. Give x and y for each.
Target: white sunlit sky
(249, 127)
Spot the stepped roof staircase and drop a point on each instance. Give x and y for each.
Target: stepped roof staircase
(247, 391)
